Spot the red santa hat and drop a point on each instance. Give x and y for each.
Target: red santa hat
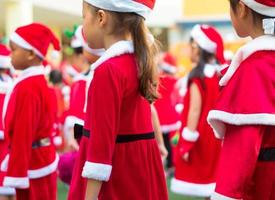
(264, 7)
(79, 40)
(169, 63)
(140, 7)
(36, 37)
(4, 57)
(209, 40)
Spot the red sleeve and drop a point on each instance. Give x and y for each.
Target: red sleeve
(103, 111)
(22, 131)
(238, 160)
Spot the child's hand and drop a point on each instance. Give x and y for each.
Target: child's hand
(163, 151)
(73, 144)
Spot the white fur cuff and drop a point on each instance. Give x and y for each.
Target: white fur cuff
(97, 171)
(190, 136)
(16, 182)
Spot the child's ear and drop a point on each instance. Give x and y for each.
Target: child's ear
(31, 55)
(102, 17)
(242, 10)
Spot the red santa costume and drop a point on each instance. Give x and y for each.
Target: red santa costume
(118, 146)
(168, 116)
(196, 177)
(5, 86)
(32, 161)
(244, 117)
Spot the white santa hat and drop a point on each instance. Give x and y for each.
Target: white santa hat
(5, 61)
(209, 40)
(36, 37)
(264, 7)
(80, 41)
(140, 7)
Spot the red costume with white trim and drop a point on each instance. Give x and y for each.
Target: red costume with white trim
(197, 176)
(131, 170)
(29, 116)
(245, 117)
(5, 86)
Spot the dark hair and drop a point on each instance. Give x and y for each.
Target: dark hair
(55, 77)
(78, 50)
(198, 70)
(257, 17)
(145, 52)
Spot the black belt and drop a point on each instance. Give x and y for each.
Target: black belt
(267, 154)
(41, 143)
(80, 131)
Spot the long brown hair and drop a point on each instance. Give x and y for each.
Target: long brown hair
(145, 51)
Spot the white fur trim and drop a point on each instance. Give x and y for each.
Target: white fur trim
(57, 140)
(44, 171)
(17, 39)
(260, 8)
(122, 6)
(5, 87)
(117, 49)
(210, 70)
(4, 163)
(269, 26)
(7, 191)
(2, 135)
(97, 171)
(70, 121)
(192, 189)
(190, 136)
(16, 182)
(27, 73)
(204, 42)
(265, 42)
(217, 118)
(5, 62)
(217, 196)
(168, 68)
(170, 127)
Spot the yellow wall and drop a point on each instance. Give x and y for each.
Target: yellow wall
(195, 8)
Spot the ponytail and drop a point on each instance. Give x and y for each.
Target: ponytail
(145, 52)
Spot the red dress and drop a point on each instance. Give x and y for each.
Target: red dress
(116, 115)
(244, 117)
(197, 176)
(31, 163)
(5, 86)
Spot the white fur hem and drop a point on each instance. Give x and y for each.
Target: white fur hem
(45, 171)
(190, 136)
(265, 42)
(7, 191)
(217, 119)
(121, 6)
(217, 196)
(260, 8)
(170, 127)
(204, 42)
(97, 171)
(192, 189)
(16, 182)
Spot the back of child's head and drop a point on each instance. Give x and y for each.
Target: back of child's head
(35, 37)
(263, 13)
(128, 17)
(55, 77)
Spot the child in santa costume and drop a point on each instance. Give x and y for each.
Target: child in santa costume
(168, 116)
(28, 118)
(121, 157)
(5, 86)
(244, 115)
(198, 149)
(78, 100)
